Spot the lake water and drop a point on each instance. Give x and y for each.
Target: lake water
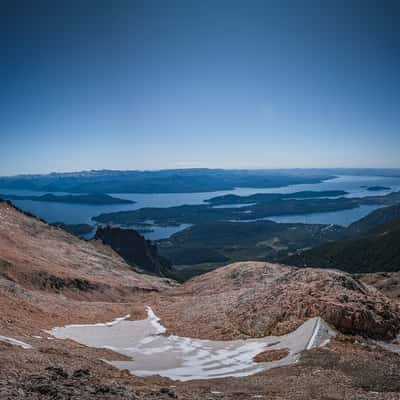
(342, 217)
(159, 232)
(80, 213)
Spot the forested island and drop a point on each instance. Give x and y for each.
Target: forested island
(262, 197)
(378, 188)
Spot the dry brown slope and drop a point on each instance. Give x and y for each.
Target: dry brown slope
(386, 282)
(32, 246)
(260, 299)
(48, 276)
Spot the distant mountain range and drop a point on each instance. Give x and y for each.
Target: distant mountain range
(163, 181)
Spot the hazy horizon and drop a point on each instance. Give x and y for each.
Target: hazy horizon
(149, 85)
(72, 171)
(333, 170)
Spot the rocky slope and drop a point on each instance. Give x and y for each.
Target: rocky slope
(49, 275)
(386, 282)
(260, 299)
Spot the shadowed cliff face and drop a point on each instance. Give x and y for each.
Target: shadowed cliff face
(135, 250)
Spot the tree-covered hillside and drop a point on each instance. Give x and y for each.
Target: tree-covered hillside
(377, 250)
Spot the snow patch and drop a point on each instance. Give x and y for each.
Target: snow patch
(155, 321)
(15, 342)
(314, 335)
(183, 358)
(109, 324)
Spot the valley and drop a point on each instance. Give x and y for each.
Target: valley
(222, 242)
(200, 200)
(65, 290)
(59, 279)
(257, 224)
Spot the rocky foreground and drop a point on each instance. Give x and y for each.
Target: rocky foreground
(50, 278)
(251, 299)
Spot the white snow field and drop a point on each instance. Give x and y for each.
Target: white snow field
(182, 358)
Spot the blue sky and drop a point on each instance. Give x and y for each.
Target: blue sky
(167, 84)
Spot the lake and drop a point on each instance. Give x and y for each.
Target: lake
(81, 213)
(342, 217)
